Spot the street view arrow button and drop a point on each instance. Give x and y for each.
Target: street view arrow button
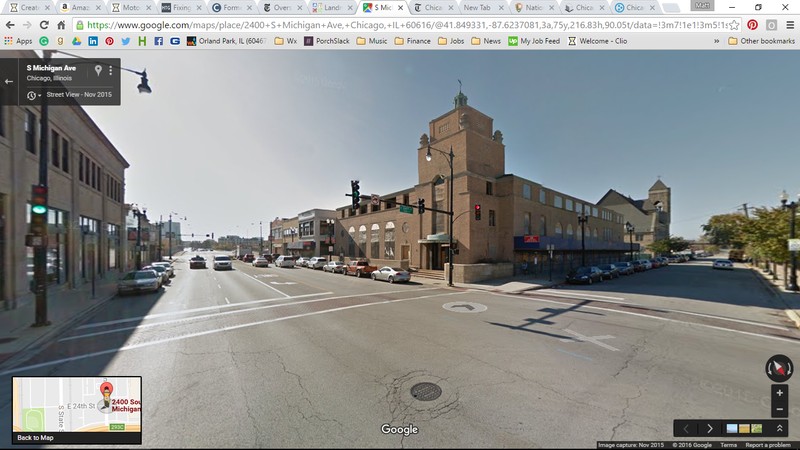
(9, 24)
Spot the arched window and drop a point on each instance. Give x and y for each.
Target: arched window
(543, 226)
(558, 229)
(569, 231)
(439, 203)
(578, 232)
(374, 241)
(362, 240)
(351, 249)
(388, 241)
(594, 233)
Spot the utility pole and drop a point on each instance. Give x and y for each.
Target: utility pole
(745, 209)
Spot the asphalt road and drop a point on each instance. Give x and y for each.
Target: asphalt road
(269, 357)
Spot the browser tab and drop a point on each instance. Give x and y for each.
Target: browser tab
(237, 7)
(282, 7)
(535, 7)
(183, 7)
(636, 7)
(131, 7)
(332, 7)
(29, 7)
(577, 7)
(485, 7)
(433, 7)
(382, 8)
(701, 5)
(82, 7)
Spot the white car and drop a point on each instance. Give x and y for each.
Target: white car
(166, 265)
(285, 261)
(391, 274)
(333, 267)
(223, 262)
(316, 262)
(260, 261)
(724, 264)
(301, 261)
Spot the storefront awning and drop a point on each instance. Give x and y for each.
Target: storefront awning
(437, 239)
(302, 245)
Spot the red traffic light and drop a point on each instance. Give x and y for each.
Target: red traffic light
(477, 207)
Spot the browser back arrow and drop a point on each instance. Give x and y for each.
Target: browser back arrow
(9, 24)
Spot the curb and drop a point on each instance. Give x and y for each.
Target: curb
(776, 293)
(29, 351)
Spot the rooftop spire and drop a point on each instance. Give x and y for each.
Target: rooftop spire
(461, 99)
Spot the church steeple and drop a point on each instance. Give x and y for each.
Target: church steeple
(460, 99)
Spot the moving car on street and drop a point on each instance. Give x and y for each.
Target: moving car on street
(223, 262)
(261, 261)
(585, 275)
(139, 281)
(724, 264)
(391, 274)
(333, 267)
(248, 258)
(197, 262)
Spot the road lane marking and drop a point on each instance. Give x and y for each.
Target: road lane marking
(590, 339)
(205, 316)
(214, 331)
(565, 294)
(235, 305)
(265, 284)
(713, 327)
(688, 313)
(227, 301)
(219, 286)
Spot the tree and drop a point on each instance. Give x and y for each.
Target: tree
(669, 245)
(767, 233)
(726, 230)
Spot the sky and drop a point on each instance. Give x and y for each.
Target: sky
(229, 139)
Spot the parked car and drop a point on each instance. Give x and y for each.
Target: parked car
(391, 274)
(301, 261)
(359, 268)
(166, 265)
(248, 258)
(638, 266)
(646, 263)
(333, 267)
(162, 272)
(285, 261)
(223, 262)
(197, 262)
(261, 261)
(317, 262)
(585, 275)
(610, 271)
(139, 281)
(655, 263)
(674, 259)
(625, 268)
(724, 264)
(663, 260)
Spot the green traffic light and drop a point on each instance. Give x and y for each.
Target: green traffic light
(39, 209)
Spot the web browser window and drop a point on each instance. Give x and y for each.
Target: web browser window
(416, 223)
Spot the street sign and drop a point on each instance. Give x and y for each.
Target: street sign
(406, 209)
(330, 249)
(375, 200)
(794, 245)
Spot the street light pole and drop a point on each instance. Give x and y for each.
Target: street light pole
(629, 228)
(261, 238)
(450, 157)
(139, 215)
(792, 207)
(582, 219)
(330, 223)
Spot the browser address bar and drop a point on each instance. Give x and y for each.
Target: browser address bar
(406, 25)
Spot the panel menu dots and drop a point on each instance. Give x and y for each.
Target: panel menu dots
(77, 410)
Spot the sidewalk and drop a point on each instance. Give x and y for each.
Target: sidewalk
(790, 300)
(509, 285)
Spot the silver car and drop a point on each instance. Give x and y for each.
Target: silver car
(260, 261)
(333, 267)
(223, 262)
(301, 261)
(161, 270)
(166, 265)
(391, 274)
(139, 281)
(316, 262)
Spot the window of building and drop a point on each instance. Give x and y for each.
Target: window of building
(439, 192)
(94, 175)
(594, 233)
(65, 155)
(578, 232)
(492, 221)
(578, 207)
(594, 211)
(374, 241)
(526, 223)
(362, 240)
(526, 191)
(489, 188)
(80, 166)
(568, 204)
(444, 127)
(343, 212)
(55, 140)
(362, 209)
(639, 237)
(351, 250)
(542, 196)
(557, 201)
(113, 245)
(405, 199)
(570, 233)
(30, 132)
(543, 226)
(388, 241)
(307, 228)
(558, 229)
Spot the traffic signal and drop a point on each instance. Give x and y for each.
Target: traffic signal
(421, 205)
(212, 235)
(356, 194)
(192, 235)
(39, 210)
(208, 235)
(477, 212)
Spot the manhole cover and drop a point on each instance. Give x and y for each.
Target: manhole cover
(7, 340)
(426, 391)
